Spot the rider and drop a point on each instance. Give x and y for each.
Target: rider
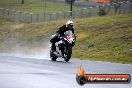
(68, 26)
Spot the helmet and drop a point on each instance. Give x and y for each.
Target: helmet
(69, 24)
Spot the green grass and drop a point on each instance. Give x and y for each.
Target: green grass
(107, 38)
(35, 6)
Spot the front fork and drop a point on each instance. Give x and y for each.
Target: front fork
(65, 52)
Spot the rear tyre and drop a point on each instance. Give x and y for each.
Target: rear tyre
(52, 56)
(68, 54)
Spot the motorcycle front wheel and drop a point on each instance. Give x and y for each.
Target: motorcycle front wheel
(68, 54)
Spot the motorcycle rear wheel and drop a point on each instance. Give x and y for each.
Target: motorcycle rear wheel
(52, 56)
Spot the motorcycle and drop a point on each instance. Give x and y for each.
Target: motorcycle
(63, 47)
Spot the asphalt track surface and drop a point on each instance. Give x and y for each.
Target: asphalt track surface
(32, 72)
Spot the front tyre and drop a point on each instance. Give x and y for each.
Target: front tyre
(68, 54)
(52, 56)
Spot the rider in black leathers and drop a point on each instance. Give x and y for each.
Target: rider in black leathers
(60, 32)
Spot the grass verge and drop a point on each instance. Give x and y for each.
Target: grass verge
(35, 6)
(107, 38)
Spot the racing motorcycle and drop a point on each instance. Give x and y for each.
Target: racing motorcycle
(63, 47)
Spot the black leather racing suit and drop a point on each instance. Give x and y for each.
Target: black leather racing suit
(60, 32)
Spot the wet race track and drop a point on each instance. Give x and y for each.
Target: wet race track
(25, 72)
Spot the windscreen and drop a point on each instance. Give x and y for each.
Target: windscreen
(69, 32)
